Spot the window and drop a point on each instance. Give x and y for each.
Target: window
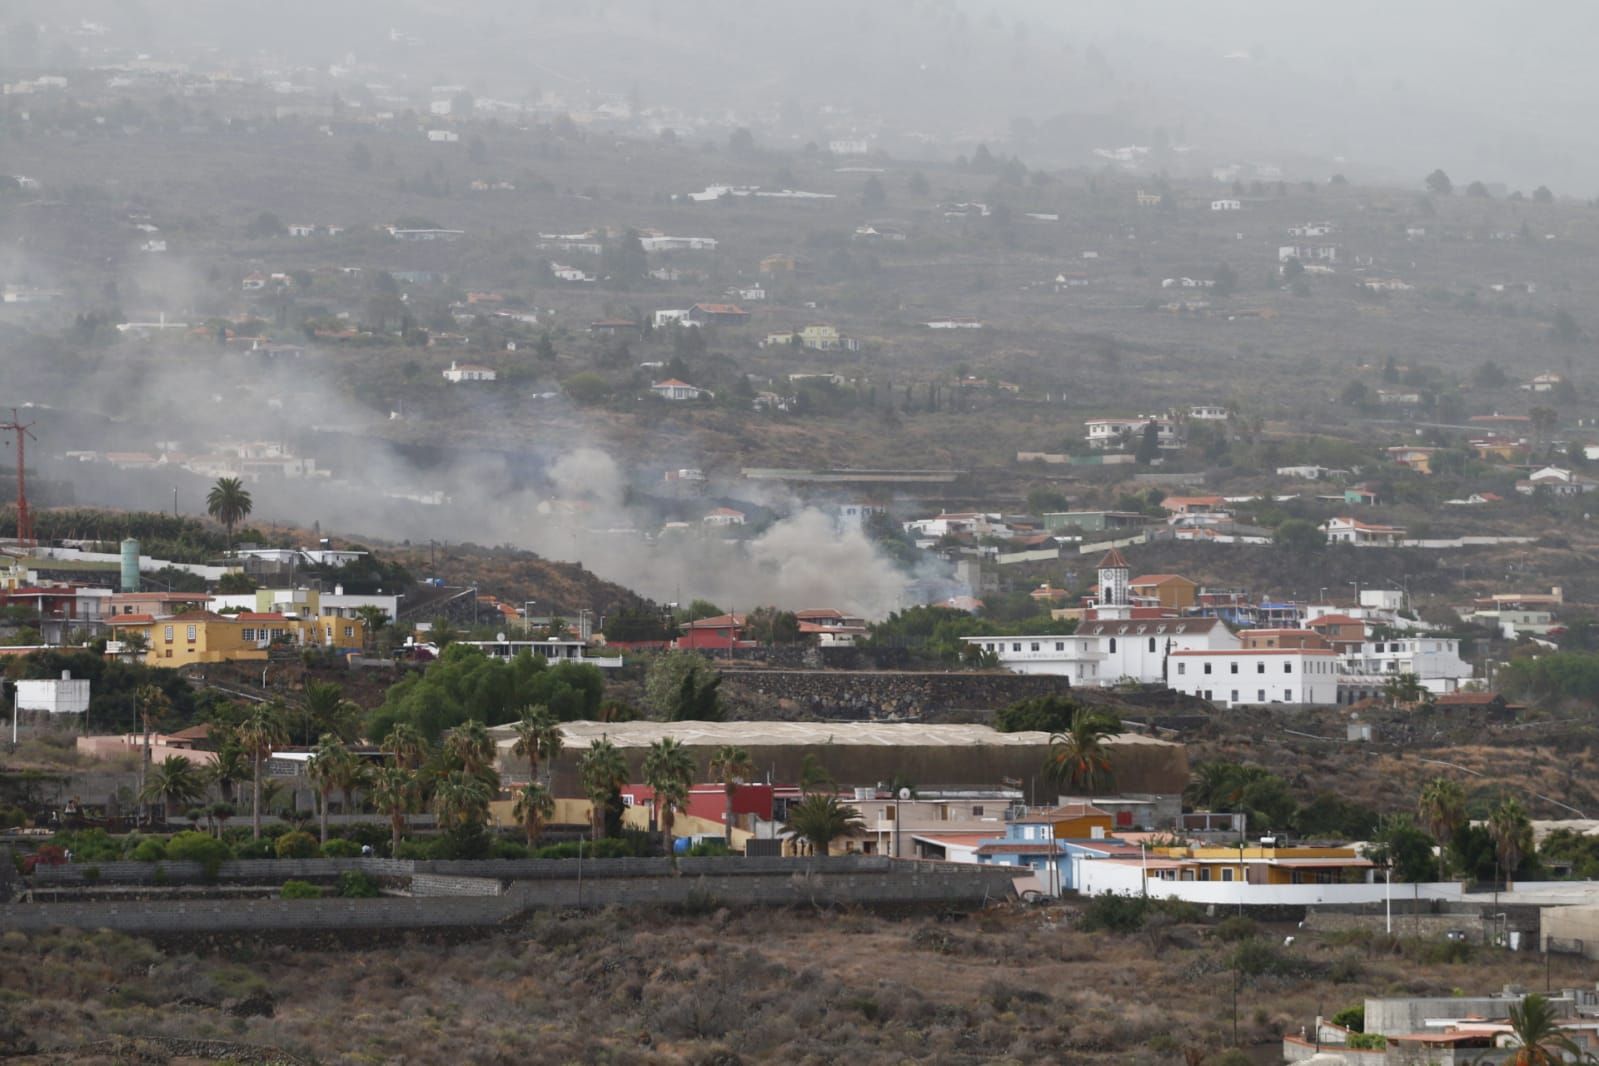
(977, 812)
(1182, 668)
(1235, 696)
(1234, 667)
(1016, 647)
(193, 633)
(1113, 645)
(1288, 695)
(1151, 643)
(168, 634)
(1035, 646)
(1260, 667)
(169, 653)
(1288, 668)
(1260, 695)
(1227, 873)
(1060, 645)
(1207, 670)
(247, 634)
(349, 631)
(888, 813)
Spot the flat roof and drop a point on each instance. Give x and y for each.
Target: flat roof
(808, 734)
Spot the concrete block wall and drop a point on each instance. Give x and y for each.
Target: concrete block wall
(440, 885)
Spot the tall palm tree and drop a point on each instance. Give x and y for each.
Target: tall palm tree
(538, 738)
(393, 791)
(176, 782)
(819, 820)
(230, 767)
(1512, 835)
(470, 747)
(260, 732)
(534, 809)
(668, 771)
(603, 770)
(1078, 757)
(1539, 1040)
(1442, 809)
(407, 744)
(730, 765)
(324, 770)
(329, 712)
(229, 503)
(461, 799)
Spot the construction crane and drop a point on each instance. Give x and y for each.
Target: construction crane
(24, 516)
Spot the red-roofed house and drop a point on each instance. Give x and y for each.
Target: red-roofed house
(717, 315)
(673, 389)
(1347, 530)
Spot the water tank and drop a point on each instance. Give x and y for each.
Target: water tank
(130, 565)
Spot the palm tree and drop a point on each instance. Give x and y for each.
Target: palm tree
(393, 791)
(220, 813)
(175, 782)
(1442, 809)
(1512, 835)
(668, 771)
(330, 712)
(538, 737)
(351, 775)
(324, 769)
(604, 771)
(1078, 757)
(229, 503)
(1539, 1040)
(229, 768)
(407, 744)
(470, 747)
(260, 732)
(1403, 688)
(819, 820)
(534, 808)
(731, 765)
(461, 799)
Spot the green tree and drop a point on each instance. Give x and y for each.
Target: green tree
(821, 819)
(731, 765)
(873, 195)
(1355, 394)
(1439, 184)
(259, 732)
(1300, 537)
(1079, 757)
(603, 771)
(323, 770)
(469, 748)
(1489, 376)
(461, 801)
(1148, 445)
(1477, 190)
(1537, 1036)
(813, 776)
(535, 806)
(406, 744)
(664, 682)
(229, 503)
(1442, 810)
(1542, 195)
(538, 737)
(1043, 714)
(1403, 689)
(175, 782)
(1511, 831)
(329, 712)
(669, 772)
(741, 142)
(393, 795)
(1225, 280)
(1402, 849)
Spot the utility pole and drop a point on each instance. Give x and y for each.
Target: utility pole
(24, 516)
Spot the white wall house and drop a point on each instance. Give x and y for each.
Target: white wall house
(1074, 657)
(1257, 675)
(1226, 205)
(1107, 433)
(1435, 661)
(1362, 534)
(673, 389)
(1308, 253)
(457, 373)
(1207, 412)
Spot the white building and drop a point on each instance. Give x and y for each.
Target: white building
(1107, 433)
(849, 146)
(1257, 675)
(723, 516)
(663, 243)
(673, 389)
(1347, 530)
(1208, 412)
(1226, 205)
(456, 373)
(1435, 661)
(63, 695)
(1308, 253)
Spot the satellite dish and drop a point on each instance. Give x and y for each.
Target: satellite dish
(904, 793)
(500, 637)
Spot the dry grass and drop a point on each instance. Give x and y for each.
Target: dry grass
(1016, 985)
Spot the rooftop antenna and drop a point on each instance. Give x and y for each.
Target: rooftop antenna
(24, 516)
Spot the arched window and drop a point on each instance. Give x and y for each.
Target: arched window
(1113, 645)
(1151, 643)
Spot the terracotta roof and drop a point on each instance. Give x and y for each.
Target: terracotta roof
(721, 309)
(260, 616)
(1113, 560)
(672, 383)
(1020, 847)
(130, 620)
(1466, 699)
(1159, 579)
(1335, 620)
(720, 621)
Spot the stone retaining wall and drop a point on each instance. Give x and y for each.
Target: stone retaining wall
(867, 694)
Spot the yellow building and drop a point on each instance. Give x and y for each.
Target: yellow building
(205, 637)
(1261, 865)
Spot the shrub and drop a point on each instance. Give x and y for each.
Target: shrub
(11, 817)
(203, 848)
(301, 890)
(1110, 913)
(463, 842)
(604, 848)
(339, 848)
(415, 849)
(1366, 1041)
(1352, 1018)
(149, 850)
(256, 849)
(1256, 957)
(707, 848)
(1235, 928)
(296, 845)
(509, 849)
(353, 884)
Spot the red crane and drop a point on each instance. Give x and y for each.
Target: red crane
(24, 517)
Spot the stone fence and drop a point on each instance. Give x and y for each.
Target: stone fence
(449, 900)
